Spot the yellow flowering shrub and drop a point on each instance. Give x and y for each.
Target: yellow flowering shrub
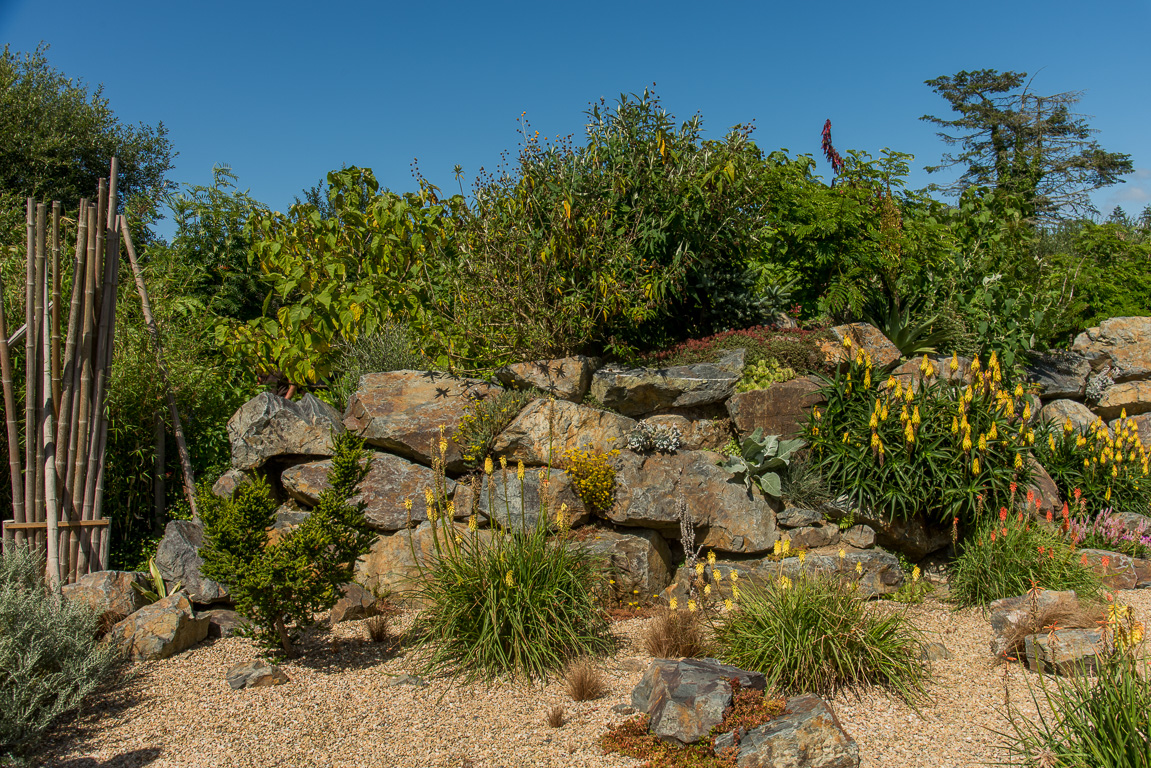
(593, 477)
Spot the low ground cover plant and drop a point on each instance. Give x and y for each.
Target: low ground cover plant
(593, 477)
(1106, 531)
(510, 600)
(280, 587)
(1011, 553)
(50, 655)
(816, 633)
(776, 350)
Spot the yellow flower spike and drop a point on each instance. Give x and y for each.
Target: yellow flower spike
(1107, 495)
(786, 546)
(993, 433)
(1123, 414)
(509, 580)
(908, 394)
(903, 415)
(473, 523)
(1031, 437)
(488, 465)
(1027, 411)
(802, 556)
(847, 342)
(717, 576)
(699, 569)
(727, 604)
(858, 567)
(428, 496)
(503, 462)
(711, 557)
(975, 466)
(915, 575)
(777, 548)
(975, 366)
(966, 441)
(874, 422)
(867, 378)
(954, 364)
(1114, 471)
(451, 509)
(1019, 390)
(954, 425)
(673, 604)
(883, 416)
(915, 417)
(735, 591)
(734, 576)
(842, 553)
(1019, 461)
(1068, 426)
(691, 605)
(459, 538)
(707, 589)
(925, 365)
(408, 504)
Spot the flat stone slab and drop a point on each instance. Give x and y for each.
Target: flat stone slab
(780, 409)
(1064, 651)
(567, 378)
(1058, 374)
(685, 699)
(641, 391)
(254, 674)
(1134, 397)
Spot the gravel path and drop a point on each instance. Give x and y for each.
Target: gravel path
(339, 710)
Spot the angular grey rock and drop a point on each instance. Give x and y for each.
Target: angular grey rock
(1044, 490)
(1064, 651)
(270, 426)
(1059, 374)
(641, 391)
(226, 486)
(567, 378)
(1142, 423)
(639, 558)
(780, 409)
(1009, 614)
(159, 630)
(623, 709)
(813, 536)
(729, 517)
(863, 336)
(914, 537)
(545, 430)
(255, 674)
(1059, 412)
(798, 517)
(109, 592)
(1116, 569)
(686, 699)
(390, 481)
(390, 566)
(178, 559)
(859, 536)
(806, 735)
(1123, 342)
(516, 504)
(405, 679)
(406, 412)
(697, 434)
(222, 622)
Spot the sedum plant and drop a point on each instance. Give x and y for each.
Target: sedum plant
(657, 438)
(759, 459)
(762, 374)
(280, 587)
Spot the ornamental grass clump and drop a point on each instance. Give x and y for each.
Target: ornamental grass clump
(1011, 553)
(937, 448)
(816, 633)
(509, 600)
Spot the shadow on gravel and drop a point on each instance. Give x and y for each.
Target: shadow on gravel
(133, 759)
(322, 652)
(73, 732)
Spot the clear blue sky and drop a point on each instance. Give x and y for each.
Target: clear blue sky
(284, 92)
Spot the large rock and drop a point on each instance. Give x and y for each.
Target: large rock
(685, 699)
(1058, 374)
(1134, 397)
(109, 592)
(798, 517)
(1060, 412)
(728, 517)
(254, 674)
(229, 482)
(1123, 342)
(780, 409)
(391, 566)
(863, 336)
(859, 536)
(159, 630)
(178, 559)
(1043, 490)
(1010, 615)
(355, 603)
(914, 537)
(567, 378)
(639, 558)
(406, 412)
(1142, 424)
(546, 429)
(1116, 570)
(1064, 651)
(269, 426)
(813, 536)
(390, 481)
(222, 622)
(806, 735)
(640, 391)
(697, 434)
(513, 503)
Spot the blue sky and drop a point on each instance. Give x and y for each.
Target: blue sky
(284, 92)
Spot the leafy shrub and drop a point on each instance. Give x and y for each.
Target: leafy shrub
(792, 348)
(508, 601)
(1009, 554)
(762, 374)
(50, 659)
(593, 478)
(390, 348)
(485, 418)
(283, 585)
(1100, 469)
(658, 438)
(951, 445)
(759, 456)
(815, 633)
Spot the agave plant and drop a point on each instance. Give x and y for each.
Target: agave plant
(912, 337)
(759, 456)
(159, 590)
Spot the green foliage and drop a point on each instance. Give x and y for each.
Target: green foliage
(281, 585)
(912, 337)
(159, 589)
(816, 633)
(593, 477)
(932, 450)
(804, 484)
(762, 374)
(1101, 469)
(509, 601)
(50, 658)
(792, 348)
(1084, 719)
(484, 419)
(390, 348)
(760, 455)
(1009, 553)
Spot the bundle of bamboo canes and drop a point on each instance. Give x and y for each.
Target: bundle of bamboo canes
(58, 490)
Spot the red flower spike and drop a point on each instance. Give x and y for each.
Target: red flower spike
(1002, 513)
(1066, 511)
(1106, 561)
(1049, 516)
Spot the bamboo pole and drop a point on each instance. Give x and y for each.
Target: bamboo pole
(30, 370)
(84, 392)
(56, 288)
(154, 332)
(54, 565)
(14, 468)
(103, 535)
(36, 333)
(66, 425)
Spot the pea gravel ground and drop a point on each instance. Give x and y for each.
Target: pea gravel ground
(339, 710)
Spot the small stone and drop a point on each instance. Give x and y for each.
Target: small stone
(798, 517)
(1064, 651)
(813, 536)
(255, 674)
(935, 652)
(859, 536)
(405, 679)
(623, 709)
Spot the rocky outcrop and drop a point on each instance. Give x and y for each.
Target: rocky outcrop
(1061, 412)
(639, 559)
(859, 536)
(545, 430)
(1064, 651)
(806, 735)
(780, 409)
(159, 630)
(1058, 375)
(109, 592)
(391, 567)
(226, 486)
(567, 378)
(355, 603)
(1115, 569)
(863, 336)
(685, 699)
(729, 517)
(511, 502)
(1043, 490)
(812, 536)
(255, 674)
(641, 391)
(1120, 342)
(697, 434)
(222, 622)
(407, 412)
(178, 559)
(1010, 615)
(914, 537)
(269, 426)
(1134, 397)
(389, 483)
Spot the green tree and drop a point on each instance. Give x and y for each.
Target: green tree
(1021, 143)
(59, 139)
